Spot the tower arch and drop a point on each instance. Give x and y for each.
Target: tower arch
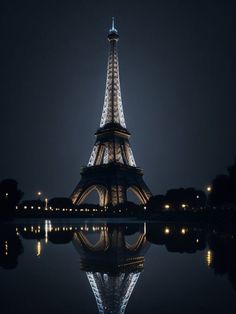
(87, 190)
(139, 193)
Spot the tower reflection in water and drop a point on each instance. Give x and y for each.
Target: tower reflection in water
(112, 264)
(112, 255)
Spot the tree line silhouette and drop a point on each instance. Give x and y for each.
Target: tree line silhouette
(10, 196)
(223, 192)
(222, 195)
(178, 200)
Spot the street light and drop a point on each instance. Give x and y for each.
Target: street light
(46, 203)
(208, 191)
(209, 188)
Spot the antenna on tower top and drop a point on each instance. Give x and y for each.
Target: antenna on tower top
(113, 29)
(113, 24)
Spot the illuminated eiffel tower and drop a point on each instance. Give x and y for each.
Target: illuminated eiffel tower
(111, 169)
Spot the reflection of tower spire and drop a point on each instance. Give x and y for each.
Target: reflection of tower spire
(111, 292)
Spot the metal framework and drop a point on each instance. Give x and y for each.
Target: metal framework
(112, 108)
(117, 290)
(111, 169)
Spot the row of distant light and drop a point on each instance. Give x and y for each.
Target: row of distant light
(208, 189)
(59, 209)
(68, 209)
(167, 230)
(167, 206)
(37, 229)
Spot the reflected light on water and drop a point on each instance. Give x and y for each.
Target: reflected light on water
(112, 255)
(209, 257)
(6, 248)
(38, 248)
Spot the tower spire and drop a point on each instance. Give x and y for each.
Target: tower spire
(112, 107)
(113, 29)
(113, 23)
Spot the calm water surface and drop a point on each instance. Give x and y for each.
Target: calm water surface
(106, 267)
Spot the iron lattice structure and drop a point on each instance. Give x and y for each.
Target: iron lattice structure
(111, 169)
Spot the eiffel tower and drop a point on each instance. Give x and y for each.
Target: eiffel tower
(111, 169)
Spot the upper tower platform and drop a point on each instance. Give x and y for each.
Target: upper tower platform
(113, 32)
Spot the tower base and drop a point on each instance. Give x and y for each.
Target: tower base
(111, 181)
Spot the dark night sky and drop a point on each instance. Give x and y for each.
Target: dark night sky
(177, 67)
